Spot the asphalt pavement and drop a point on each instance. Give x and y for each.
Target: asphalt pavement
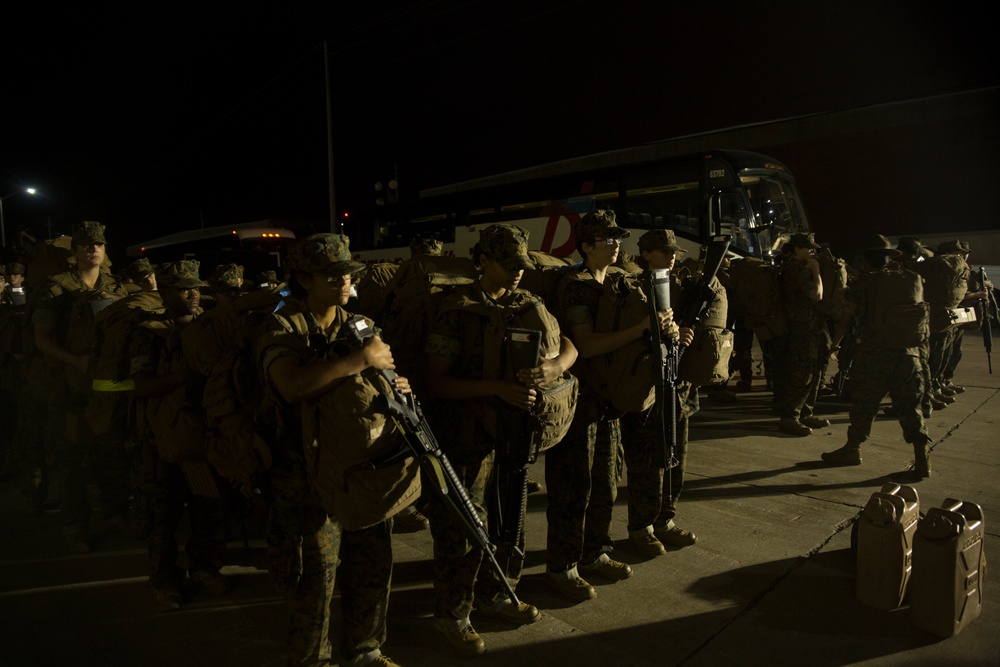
(771, 580)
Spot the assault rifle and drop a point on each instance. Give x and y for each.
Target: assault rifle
(989, 306)
(409, 417)
(517, 447)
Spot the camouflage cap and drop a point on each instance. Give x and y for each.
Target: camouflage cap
(507, 245)
(659, 239)
(801, 241)
(950, 247)
(910, 245)
(267, 278)
(3, 272)
(328, 254)
(426, 245)
(964, 247)
(15, 269)
(87, 232)
(598, 225)
(180, 275)
(226, 277)
(139, 269)
(879, 243)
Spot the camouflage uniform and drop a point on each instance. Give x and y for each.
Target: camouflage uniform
(653, 494)
(66, 407)
(458, 336)
(582, 471)
(169, 484)
(303, 541)
(802, 350)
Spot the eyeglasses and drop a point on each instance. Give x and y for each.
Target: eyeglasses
(609, 241)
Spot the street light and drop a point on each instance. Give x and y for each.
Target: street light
(3, 230)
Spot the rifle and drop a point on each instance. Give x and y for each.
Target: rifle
(989, 309)
(845, 359)
(409, 418)
(666, 358)
(517, 447)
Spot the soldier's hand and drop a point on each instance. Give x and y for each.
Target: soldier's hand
(376, 354)
(401, 384)
(546, 371)
(686, 336)
(516, 394)
(82, 363)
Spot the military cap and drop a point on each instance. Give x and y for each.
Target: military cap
(801, 241)
(964, 247)
(181, 275)
(267, 278)
(426, 245)
(879, 243)
(139, 269)
(910, 245)
(507, 245)
(328, 254)
(3, 272)
(87, 232)
(598, 225)
(15, 269)
(659, 239)
(226, 277)
(947, 247)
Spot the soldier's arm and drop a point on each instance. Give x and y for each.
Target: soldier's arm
(591, 344)
(442, 384)
(297, 381)
(46, 343)
(550, 369)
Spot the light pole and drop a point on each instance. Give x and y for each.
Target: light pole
(3, 230)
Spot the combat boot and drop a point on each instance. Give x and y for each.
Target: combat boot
(921, 461)
(813, 421)
(848, 455)
(948, 400)
(793, 426)
(463, 639)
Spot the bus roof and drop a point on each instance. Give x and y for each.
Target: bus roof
(243, 230)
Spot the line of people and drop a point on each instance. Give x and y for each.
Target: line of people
(132, 374)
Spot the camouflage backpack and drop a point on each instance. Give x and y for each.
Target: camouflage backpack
(356, 459)
(111, 411)
(896, 314)
(833, 272)
(235, 399)
(372, 287)
(706, 359)
(755, 291)
(624, 378)
(556, 403)
(411, 304)
(946, 282)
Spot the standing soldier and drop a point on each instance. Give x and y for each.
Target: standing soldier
(463, 372)
(889, 301)
(800, 288)
(172, 424)
(582, 471)
(653, 491)
(946, 282)
(304, 541)
(63, 309)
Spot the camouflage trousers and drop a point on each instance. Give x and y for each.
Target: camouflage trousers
(881, 370)
(955, 355)
(653, 491)
(460, 574)
(940, 356)
(581, 474)
(800, 361)
(304, 544)
(168, 493)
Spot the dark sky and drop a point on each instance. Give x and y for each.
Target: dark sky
(160, 118)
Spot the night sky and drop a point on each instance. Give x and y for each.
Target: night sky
(160, 118)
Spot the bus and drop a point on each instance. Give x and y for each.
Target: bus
(256, 246)
(750, 197)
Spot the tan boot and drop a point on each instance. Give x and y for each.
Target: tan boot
(848, 455)
(921, 461)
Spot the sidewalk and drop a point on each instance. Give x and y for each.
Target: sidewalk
(770, 581)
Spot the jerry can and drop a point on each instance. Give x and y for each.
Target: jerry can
(949, 562)
(885, 546)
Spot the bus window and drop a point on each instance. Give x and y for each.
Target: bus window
(729, 216)
(673, 207)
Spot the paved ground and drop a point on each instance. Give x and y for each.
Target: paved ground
(770, 582)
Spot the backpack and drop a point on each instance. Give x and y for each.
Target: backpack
(110, 411)
(174, 422)
(235, 398)
(624, 378)
(357, 461)
(833, 272)
(411, 304)
(556, 402)
(47, 258)
(896, 314)
(372, 286)
(946, 282)
(706, 359)
(81, 332)
(755, 291)
(543, 280)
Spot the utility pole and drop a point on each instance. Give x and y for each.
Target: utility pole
(334, 222)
